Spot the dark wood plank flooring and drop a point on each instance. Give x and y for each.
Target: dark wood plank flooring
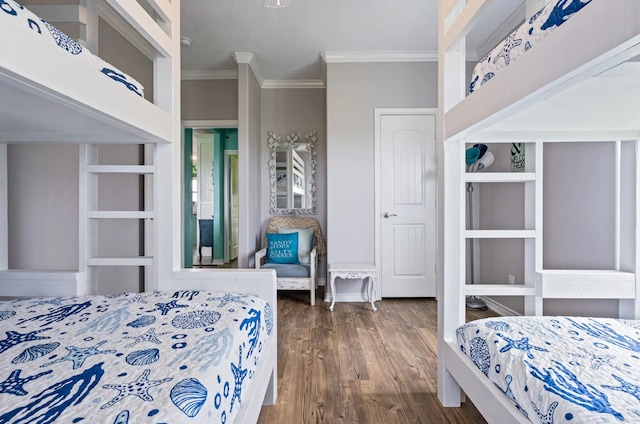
(354, 365)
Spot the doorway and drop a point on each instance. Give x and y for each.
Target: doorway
(406, 212)
(209, 187)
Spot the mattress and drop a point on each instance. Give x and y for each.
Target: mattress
(550, 17)
(560, 369)
(25, 23)
(169, 357)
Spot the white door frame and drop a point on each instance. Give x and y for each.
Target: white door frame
(378, 113)
(227, 220)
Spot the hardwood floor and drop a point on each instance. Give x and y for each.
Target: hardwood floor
(354, 365)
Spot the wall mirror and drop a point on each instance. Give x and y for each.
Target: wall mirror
(292, 168)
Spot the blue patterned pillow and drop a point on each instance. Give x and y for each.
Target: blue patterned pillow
(282, 248)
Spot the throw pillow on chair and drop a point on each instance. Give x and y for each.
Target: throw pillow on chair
(282, 248)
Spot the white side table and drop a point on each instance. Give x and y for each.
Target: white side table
(354, 271)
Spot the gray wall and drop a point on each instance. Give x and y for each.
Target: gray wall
(209, 99)
(43, 206)
(286, 110)
(353, 91)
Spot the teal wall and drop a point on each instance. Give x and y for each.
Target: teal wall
(221, 143)
(189, 218)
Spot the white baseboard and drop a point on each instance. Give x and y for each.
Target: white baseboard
(499, 308)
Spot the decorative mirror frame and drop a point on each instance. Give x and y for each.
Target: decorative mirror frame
(299, 141)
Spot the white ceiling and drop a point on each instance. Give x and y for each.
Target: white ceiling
(287, 43)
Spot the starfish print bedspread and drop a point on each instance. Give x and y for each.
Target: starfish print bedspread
(25, 23)
(172, 357)
(550, 17)
(560, 369)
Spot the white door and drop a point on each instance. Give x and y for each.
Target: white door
(407, 189)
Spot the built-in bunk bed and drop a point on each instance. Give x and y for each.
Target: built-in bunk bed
(576, 79)
(196, 346)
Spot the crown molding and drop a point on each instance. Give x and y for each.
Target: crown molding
(120, 25)
(248, 58)
(390, 56)
(243, 57)
(209, 75)
(302, 83)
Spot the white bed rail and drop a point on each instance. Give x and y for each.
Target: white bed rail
(615, 39)
(21, 283)
(145, 25)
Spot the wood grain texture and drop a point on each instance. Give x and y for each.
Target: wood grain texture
(354, 365)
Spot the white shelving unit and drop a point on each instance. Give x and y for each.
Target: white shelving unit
(540, 283)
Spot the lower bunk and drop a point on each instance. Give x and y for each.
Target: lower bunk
(549, 369)
(180, 355)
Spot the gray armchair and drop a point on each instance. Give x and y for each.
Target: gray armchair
(299, 276)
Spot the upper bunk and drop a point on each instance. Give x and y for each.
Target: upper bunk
(580, 81)
(54, 90)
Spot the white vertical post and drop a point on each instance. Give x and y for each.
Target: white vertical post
(167, 232)
(451, 194)
(629, 235)
(87, 201)
(617, 201)
(533, 221)
(244, 171)
(4, 209)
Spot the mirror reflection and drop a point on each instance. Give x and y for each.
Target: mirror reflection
(292, 169)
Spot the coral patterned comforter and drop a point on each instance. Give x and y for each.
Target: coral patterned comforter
(173, 357)
(560, 369)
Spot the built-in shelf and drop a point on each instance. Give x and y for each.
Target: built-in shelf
(499, 177)
(499, 290)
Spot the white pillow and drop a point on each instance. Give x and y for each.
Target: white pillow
(305, 238)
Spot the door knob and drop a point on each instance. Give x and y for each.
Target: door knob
(387, 214)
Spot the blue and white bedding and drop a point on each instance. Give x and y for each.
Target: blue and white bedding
(24, 21)
(554, 14)
(171, 357)
(560, 369)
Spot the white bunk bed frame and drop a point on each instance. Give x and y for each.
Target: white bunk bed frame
(523, 104)
(39, 104)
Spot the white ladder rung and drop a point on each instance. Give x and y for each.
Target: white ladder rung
(121, 169)
(497, 234)
(121, 214)
(139, 261)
